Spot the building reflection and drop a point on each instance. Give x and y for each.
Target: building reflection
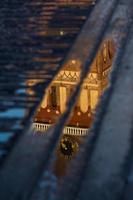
(54, 103)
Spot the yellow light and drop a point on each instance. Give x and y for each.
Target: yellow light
(73, 61)
(61, 33)
(79, 113)
(57, 112)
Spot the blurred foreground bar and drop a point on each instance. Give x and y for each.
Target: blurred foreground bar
(38, 37)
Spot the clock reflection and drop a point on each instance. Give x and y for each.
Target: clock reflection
(68, 147)
(67, 150)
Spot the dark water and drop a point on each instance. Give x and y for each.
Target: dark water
(35, 38)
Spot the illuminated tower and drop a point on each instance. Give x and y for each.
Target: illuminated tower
(58, 93)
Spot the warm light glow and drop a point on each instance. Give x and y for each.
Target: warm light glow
(61, 33)
(73, 61)
(58, 93)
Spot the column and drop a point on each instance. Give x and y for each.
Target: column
(45, 100)
(84, 100)
(93, 99)
(63, 96)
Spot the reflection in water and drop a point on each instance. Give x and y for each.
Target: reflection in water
(54, 102)
(58, 93)
(67, 149)
(48, 41)
(53, 32)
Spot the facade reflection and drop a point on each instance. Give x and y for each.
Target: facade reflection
(54, 103)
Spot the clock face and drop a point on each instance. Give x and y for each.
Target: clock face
(68, 147)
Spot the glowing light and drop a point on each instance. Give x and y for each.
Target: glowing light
(73, 61)
(61, 33)
(57, 112)
(78, 113)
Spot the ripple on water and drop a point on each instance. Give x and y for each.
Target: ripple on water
(5, 137)
(13, 113)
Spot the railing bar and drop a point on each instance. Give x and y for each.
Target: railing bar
(115, 175)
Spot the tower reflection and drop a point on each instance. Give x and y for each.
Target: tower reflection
(56, 96)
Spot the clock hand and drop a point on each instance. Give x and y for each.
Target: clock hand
(64, 145)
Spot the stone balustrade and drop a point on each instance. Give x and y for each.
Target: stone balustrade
(67, 130)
